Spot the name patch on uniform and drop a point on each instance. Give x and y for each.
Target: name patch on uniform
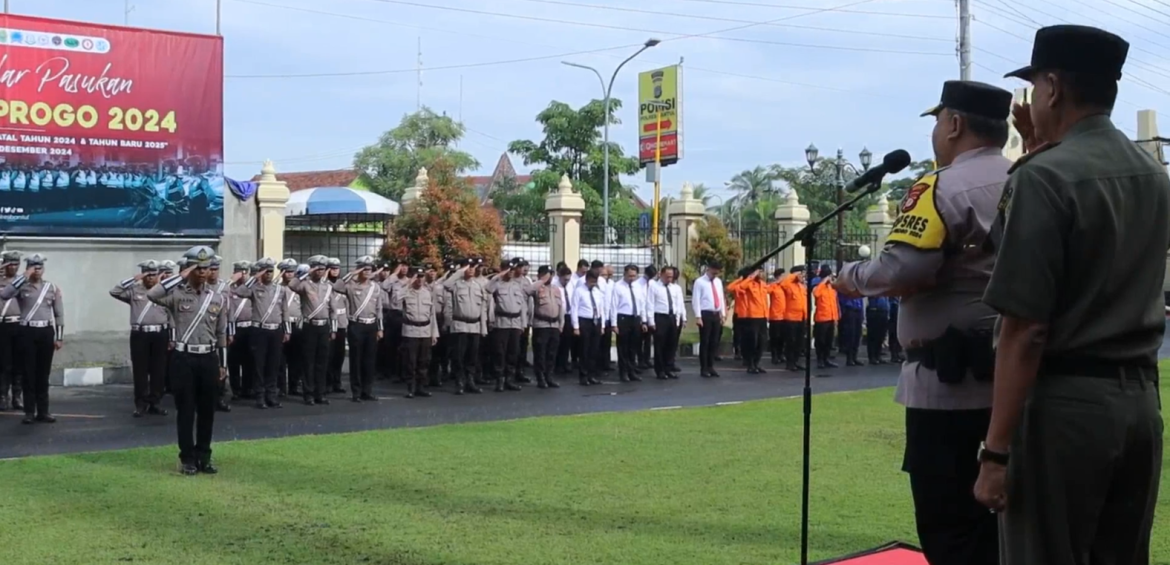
(919, 223)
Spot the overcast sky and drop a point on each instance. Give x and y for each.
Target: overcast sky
(835, 73)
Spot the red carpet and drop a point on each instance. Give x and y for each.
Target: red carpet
(891, 554)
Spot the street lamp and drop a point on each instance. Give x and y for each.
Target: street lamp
(839, 166)
(606, 90)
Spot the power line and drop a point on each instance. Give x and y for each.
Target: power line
(662, 32)
(843, 11)
(1159, 12)
(733, 20)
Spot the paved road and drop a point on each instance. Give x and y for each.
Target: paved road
(95, 419)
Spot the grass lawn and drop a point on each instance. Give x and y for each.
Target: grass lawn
(702, 486)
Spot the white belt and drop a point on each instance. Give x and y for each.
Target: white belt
(197, 349)
(148, 329)
(318, 322)
(270, 326)
(369, 320)
(244, 324)
(10, 319)
(294, 320)
(339, 311)
(38, 323)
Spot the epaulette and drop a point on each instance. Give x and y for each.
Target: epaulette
(1029, 155)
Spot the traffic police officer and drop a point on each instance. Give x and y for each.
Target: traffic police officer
(270, 328)
(1073, 455)
(466, 310)
(363, 305)
(291, 369)
(420, 331)
(200, 317)
(508, 317)
(241, 366)
(548, 316)
(934, 259)
(337, 345)
(10, 370)
(42, 332)
(149, 337)
(220, 287)
(317, 328)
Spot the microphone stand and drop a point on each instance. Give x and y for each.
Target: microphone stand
(807, 237)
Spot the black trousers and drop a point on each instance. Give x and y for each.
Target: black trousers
(314, 347)
(267, 352)
(416, 356)
(710, 336)
(629, 339)
(545, 342)
(605, 346)
(823, 339)
(737, 336)
(36, 356)
(895, 347)
(195, 384)
(506, 352)
(850, 331)
(363, 351)
(953, 527)
(336, 358)
(242, 363)
(796, 342)
(751, 343)
(565, 348)
(525, 337)
(645, 348)
(437, 368)
(877, 321)
(392, 344)
(291, 372)
(776, 339)
(148, 363)
(665, 343)
(590, 363)
(10, 369)
(464, 355)
(487, 348)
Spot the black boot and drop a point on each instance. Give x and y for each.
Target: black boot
(500, 384)
(551, 383)
(540, 381)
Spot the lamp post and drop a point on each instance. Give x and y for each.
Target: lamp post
(606, 89)
(840, 165)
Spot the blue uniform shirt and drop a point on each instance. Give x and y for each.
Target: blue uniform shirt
(879, 303)
(851, 303)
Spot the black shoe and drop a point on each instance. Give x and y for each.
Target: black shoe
(422, 393)
(760, 370)
(522, 380)
(321, 401)
(513, 387)
(223, 407)
(308, 401)
(29, 419)
(189, 469)
(16, 405)
(472, 389)
(583, 381)
(139, 413)
(273, 404)
(661, 377)
(261, 405)
(704, 374)
(356, 400)
(500, 385)
(207, 468)
(46, 419)
(594, 381)
(635, 378)
(552, 383)
(675, 369)
(672, 375)
(369, 398)
(623, 378)
(714, 374)
(339, 390)
(154, 410)
(540, 383)
(831, 365)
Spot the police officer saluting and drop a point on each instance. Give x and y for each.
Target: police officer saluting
(241, 369)
(270, 328)
(200, 317)
(363, 305)
(1073, 455)
(318, 328)
(220, 287)
(337, 344)
(10, 373)
(548, 315)
(149, 336)
(42, 333)
(935, 261)
(466, 310)
(420, 331)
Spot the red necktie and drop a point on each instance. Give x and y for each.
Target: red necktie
(715, 294)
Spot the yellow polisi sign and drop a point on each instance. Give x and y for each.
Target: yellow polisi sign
(659, 115)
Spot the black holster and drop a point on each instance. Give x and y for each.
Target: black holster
(955, 352)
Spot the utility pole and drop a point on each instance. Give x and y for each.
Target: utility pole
(130, 8)
(5, 6)
(419, 67)
(964, 39)
(460, 98)
(219, 17)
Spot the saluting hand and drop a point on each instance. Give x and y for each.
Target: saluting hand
(186, 271)
(1022, 120)
(237, 276)
(139, 276)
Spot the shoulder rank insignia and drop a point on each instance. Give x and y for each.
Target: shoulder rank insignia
(1029, 155)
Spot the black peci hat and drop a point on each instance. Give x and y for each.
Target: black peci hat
(1076, 49)
(975, 98)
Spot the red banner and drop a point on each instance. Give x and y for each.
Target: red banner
(669, 151)
(105, 127)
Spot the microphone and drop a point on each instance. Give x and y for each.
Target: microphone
(893, 162)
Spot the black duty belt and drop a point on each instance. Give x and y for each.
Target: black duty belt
(549, 319)
(415, 324)
(465, 320)
(1132, 369)
(502, 314)
(915, 354)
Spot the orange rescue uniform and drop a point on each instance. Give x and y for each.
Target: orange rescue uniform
(825, 297)
(751, 298)
(776, 301)
(795, 307)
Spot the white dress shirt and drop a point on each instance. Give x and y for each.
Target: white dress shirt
(704, 298)
(626, 299)
(661, 302)
(585, 308)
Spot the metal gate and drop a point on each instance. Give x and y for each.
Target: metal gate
(344, 236)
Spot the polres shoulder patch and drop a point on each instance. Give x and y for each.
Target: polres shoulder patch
(919, 223)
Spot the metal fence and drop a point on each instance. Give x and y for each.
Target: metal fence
(344, 236)
(529, 240)
(849, 243)
(626, 243)
(759, 242)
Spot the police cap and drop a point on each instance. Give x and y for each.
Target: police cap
(264, 264)
(198, 256)
(216, 261)
(1076, 49)
(287, 265)
(241, 266)
(167, 266)
(975, 98)
(333, 263)
(543, 270)
(318, 262)
(148, 267)
(35, 260)
(365, 262)
(302, 269)
(10, 257)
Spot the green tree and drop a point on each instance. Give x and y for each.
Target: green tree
(447, 222)
(818, 191)
(899, 187)
(421, 139)
(573, 145)
(713, 243)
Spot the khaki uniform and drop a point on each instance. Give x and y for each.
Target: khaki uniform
(150, 330)
(241, 363)
(42, 324)
(270, 329)
(466, 311)
(337, 344)
(420, 331)
(318, 323)
(548, 320)
(509, 317)
(363, 310)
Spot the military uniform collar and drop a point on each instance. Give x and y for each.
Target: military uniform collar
(1096, 122)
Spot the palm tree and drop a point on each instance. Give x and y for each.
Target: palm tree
(751, 186)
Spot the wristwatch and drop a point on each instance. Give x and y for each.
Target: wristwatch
(989, 456)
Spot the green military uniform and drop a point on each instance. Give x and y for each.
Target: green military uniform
(1081, 240)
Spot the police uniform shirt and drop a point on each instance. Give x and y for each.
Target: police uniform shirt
(241, 308)
(548, 306)
(10, 311)
(200, 316)
(315, 299)
(935, 260)
(588, 303)
(1082, 242)
(418, 312)
(509, 304)
(39, 302)
(268, 302)
(143, 312)
(292, 303)
(340, 318)
(363, 300)
(392, 285)
(439, 295)
(468, 304)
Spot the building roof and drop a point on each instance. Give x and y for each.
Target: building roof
(313, 179)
